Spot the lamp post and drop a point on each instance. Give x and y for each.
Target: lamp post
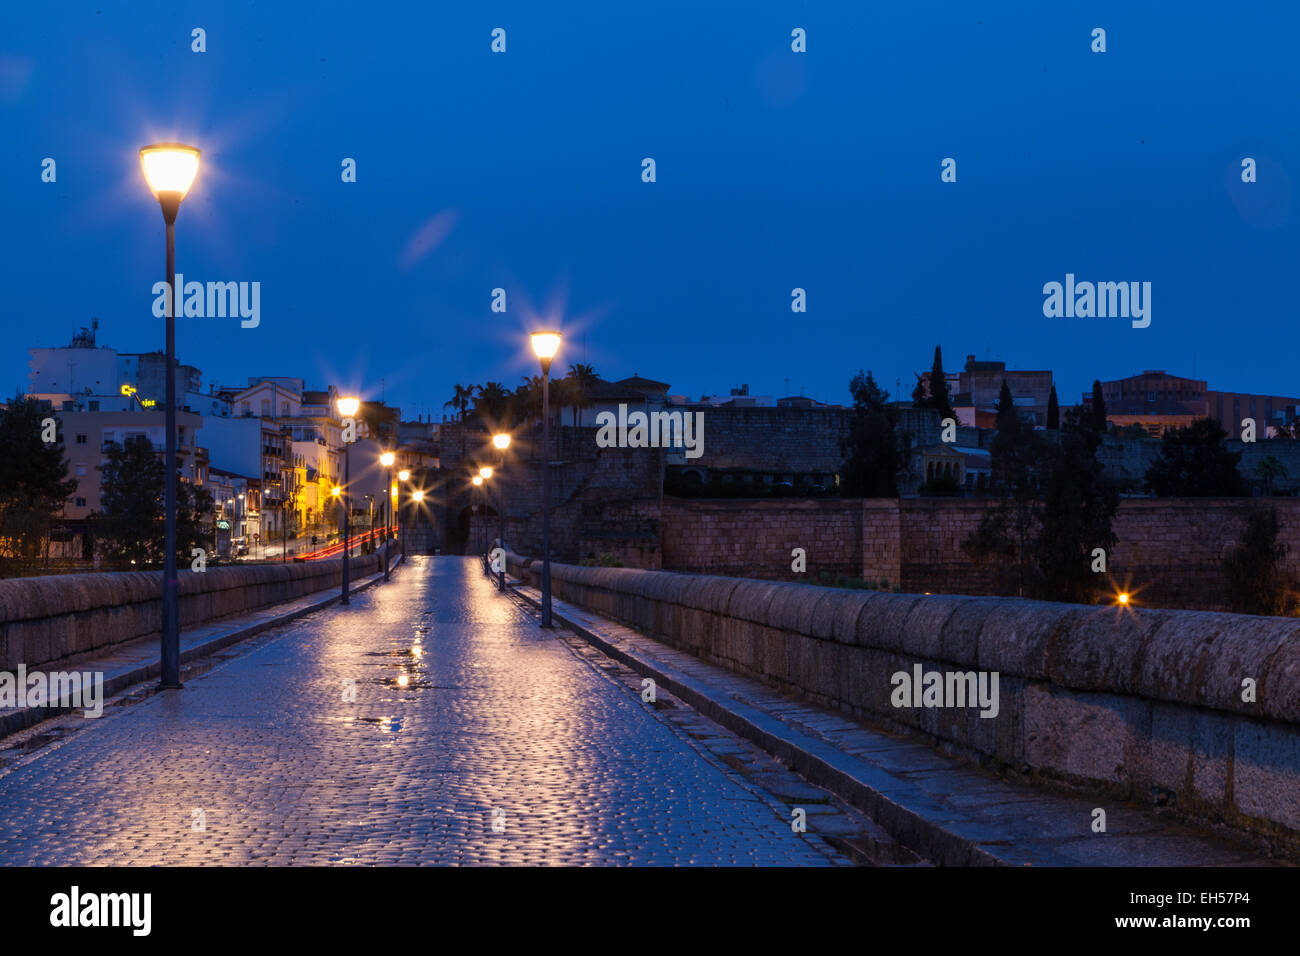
(502, 442)
(169, 169)
(387, 459)
(485, 473)
(347, 409)
(403, 476)
(475, 532)
(545, 345)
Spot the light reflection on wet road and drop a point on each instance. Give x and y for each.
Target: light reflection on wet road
(474, 738)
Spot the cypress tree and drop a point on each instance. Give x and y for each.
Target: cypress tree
(1053, 411)
(1098, 408)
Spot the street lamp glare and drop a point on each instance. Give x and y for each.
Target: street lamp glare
(387, 459)
(335, 491)
(502, 441)
(348, 406)
(485, 472)
(403, 475)
(478, 480)
(169, 168)
(546, 344)
(417, 495)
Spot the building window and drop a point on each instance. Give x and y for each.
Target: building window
(81, 502)
(81, 439)
(245, 410)
(94, 405)
(266, 408)
(80, 470)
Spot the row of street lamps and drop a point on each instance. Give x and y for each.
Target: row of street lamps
(545, 346)
(170, 170)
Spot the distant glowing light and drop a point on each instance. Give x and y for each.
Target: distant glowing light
(502, 441)
(485, 472)
(348, 406)
(1123, 598)
(387, 459)
(403, 681)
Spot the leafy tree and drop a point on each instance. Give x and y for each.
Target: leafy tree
(1006, 530)
(1256, 580)
(1076, 514)
(1098, 408)
(1054, 506)
(874, 454)
(1267, 471)
(1053, 411)
(130, 523)
(1195, 463)
(1134, 431)
(34, 482)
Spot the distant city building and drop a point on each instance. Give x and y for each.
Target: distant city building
(87, 437)
(1158, 401)
(979, 386)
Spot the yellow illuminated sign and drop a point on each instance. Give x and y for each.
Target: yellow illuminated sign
(144, 402)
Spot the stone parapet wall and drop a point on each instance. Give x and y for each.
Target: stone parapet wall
(49, 619)
(1130, 704)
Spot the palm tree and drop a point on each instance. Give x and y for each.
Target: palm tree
(528, 399)
(461, 399)
(493, 404)
(582, 379)
(1267, 472)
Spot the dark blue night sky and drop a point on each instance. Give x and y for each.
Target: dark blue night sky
(775, 170)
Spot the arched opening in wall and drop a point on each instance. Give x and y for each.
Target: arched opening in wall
(472, 530)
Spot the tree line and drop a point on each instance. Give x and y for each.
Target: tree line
(1050, 504)
(127, 531)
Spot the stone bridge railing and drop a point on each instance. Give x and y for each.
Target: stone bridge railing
(44, 620)
(1197, 711)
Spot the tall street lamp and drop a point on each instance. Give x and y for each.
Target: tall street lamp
(347, 409)
(476, 532)
(403, 477)
(387, 459)
(485, 473)
(169, 169)
(545, 345)
(502, 442)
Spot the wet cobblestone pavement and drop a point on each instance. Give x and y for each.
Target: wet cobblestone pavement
(475, 738)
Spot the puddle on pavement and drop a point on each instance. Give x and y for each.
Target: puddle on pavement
(389, 725)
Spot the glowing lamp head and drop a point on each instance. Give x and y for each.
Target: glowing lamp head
(169, 169)
(336, 491)
(348, 406)
(502, 441)
(1123, 598)
(387, 459)
(403, 475)
(545, 345)
(418, 495)
(478, 480)
(485, 472)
